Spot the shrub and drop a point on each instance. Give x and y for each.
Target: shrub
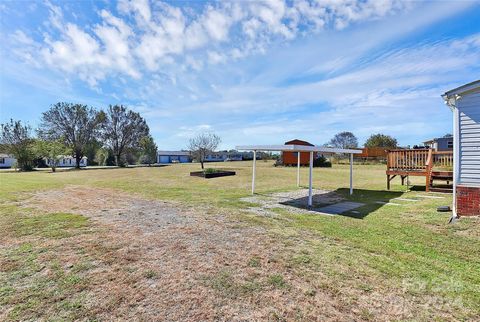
(322, 162)
(210, 170)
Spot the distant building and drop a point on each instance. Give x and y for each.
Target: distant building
(375, 153)
(291, 158)
(440, 144)
(232, 155)
(6, 161)
(67, 161)
(173, 157)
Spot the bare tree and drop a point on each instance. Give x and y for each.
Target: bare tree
(123, 129)
(202, 144)
(16, 140)
(75, 124)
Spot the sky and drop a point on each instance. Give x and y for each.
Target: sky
(253, 72)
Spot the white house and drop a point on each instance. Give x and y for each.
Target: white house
(464, 102)
(7, 161)
(67, 161)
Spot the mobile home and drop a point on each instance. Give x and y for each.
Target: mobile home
(464, 102)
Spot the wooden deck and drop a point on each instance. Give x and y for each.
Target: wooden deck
(434, 166)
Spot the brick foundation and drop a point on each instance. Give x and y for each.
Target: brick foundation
(468, 201)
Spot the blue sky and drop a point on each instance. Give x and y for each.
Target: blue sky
(253, 72)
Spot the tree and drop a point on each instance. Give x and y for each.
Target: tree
(16, 140)
(123, 130)
(381, 141)
(101, 156)
(202, 144)
(344, 140)
(77, 125)
(51, 150)
(91, 150)
(149, 150)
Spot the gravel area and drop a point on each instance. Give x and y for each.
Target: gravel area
(292, 201)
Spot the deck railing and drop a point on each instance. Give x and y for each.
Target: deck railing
(418, 160)
(443, 159)
(408, 160)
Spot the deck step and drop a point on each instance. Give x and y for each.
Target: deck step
(442, 178)
(446, 190)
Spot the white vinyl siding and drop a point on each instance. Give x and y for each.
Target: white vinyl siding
(469, 107)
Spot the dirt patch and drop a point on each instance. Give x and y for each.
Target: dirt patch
(157, 260)
(112, 207)
(151, 260)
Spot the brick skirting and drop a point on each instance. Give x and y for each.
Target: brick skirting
(468, 201)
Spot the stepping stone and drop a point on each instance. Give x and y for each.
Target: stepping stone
(431, 197)
(388, 203)
(405, 199)
(340, 207)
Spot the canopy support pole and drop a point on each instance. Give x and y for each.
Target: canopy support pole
(254, 170)
(351, 174)
(310, 181)
(298, 169)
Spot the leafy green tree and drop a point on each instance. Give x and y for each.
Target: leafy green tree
(381, 141)
(77, 125)
(148, 149)
(122, 130)
(101, 156)
(91, 150)
(53, 151)
(16, 139)
(344, 140)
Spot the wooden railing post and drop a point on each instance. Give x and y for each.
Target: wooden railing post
(429, 166)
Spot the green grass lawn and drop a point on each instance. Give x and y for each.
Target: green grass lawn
(408, 248)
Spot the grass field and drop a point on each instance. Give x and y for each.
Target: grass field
(99, 257)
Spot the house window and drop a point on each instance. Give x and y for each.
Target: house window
(450, 144)
(2, 160)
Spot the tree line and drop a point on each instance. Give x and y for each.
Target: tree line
(347, 140)
(117, 134)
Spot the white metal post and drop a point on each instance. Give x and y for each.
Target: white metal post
(310, 180)
(298, 169)
(254, 170)
(456, 157)
(351, 173)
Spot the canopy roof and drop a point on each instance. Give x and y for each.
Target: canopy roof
(295, 148)
(299, 148)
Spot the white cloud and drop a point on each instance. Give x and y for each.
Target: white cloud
(190, 131)
(163, 60)
(215, 57)
(144, 36)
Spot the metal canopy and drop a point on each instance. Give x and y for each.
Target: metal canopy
(299, 148)
(295, 148)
